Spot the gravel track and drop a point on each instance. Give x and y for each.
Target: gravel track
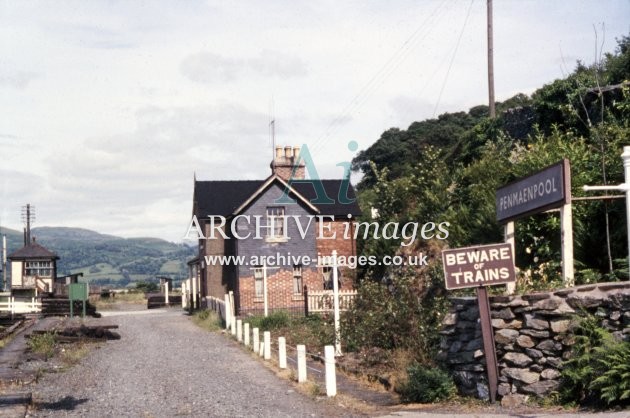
(165, 366)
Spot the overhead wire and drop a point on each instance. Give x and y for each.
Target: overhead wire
(382, 74)
(450, 65)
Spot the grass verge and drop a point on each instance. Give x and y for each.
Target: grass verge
(208, 320)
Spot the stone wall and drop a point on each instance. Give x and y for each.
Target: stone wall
(532, 336)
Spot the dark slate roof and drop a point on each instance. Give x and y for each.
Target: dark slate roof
(222, 197)
(32, 250)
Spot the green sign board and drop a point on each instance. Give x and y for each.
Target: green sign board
(78, 291)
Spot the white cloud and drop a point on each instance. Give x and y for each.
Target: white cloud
(109, 107)
(208, 67)
(17, 79)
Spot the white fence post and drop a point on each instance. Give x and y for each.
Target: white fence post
(227, 309)
(256, 344)
(239, 330)
(282, 352)
(301, 362)
(267, 337)
(166, 293)
(336, 304)
(233, 324)
(246, 332)
(331, 377)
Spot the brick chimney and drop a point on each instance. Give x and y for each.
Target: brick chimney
(285, 160)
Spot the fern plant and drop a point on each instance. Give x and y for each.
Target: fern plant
(599, 369)
(614, 384)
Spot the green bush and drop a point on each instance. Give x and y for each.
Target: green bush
(405, 314)
(598, 371)
(426, 385)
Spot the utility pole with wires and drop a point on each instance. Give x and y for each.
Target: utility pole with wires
(490, 63)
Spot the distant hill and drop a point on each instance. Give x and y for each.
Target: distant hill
(107, 259)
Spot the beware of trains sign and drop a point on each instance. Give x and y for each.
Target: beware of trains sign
(483, 265)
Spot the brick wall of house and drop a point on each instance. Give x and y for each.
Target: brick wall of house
(280, 291)
(213, 276)
(345, 247)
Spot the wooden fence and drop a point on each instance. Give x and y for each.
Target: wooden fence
(322, 300)
(20, 306)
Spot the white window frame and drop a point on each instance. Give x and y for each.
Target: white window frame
(298, 280)
(258, 282)
(276, 215)
(38, 268)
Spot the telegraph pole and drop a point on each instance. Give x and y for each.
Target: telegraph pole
(490, 63)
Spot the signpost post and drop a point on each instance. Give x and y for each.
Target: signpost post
(624, 187)
(481, 266)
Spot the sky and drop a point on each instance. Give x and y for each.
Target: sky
(110, 108)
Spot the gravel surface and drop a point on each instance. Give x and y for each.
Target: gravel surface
(165, 366)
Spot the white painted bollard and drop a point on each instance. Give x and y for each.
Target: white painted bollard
(282, 352)
(246, 334)
(166, 293)
(239, 330)
(301, 363)
(233, 325)
(267, 338)
(256, 341)
(261, 350)
(226, 306)
(331, 377)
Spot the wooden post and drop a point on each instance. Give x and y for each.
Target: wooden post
(227, 308)
(246, 332)
(256, 342)
(233, 325)
(331, 377)
(239, 330)
(232, 304)
(282, 352)
(490, 62)
(487, 334)
(301, 363)
(510, 288)
(566, 238)
(305, 300)
(265, 299)
(336, 304)
(267, 339)
(194, 292)
(166, 293)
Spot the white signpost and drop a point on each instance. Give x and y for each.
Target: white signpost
(624, 187)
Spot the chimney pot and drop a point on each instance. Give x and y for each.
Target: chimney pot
(278, 152)
(288, 151)
(296, 152)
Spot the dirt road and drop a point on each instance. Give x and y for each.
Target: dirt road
(165, 366)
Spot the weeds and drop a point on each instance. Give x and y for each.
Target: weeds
(43, 344)
(208, 320)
